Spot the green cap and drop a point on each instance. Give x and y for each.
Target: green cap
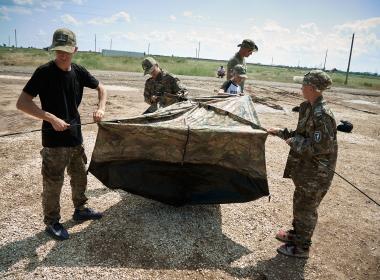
(240, 71)
(317, 78)
(64, 40)
(249, 44)
(148, 64)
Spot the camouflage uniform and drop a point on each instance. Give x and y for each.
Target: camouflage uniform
(235, 60)
(313, 140)
(167, 87)
(239, 59)
(54, 162)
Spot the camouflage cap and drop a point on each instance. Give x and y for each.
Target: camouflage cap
(249, 44)
(317, 78)
(240, 71)
(148, 64)
(64, 40)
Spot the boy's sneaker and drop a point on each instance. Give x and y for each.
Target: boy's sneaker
(286, 236)
(85, 214)
(292, 250)
(57, 231)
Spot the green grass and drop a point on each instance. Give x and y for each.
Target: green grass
(180, 66)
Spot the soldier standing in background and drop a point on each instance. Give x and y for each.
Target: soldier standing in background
(312, 143)
(247, 47)
(59, 85)
(162, 88)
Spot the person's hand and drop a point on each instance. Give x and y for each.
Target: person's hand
(59, 124)
(289, 140)
(98, 115)
(273, 131)
(154, 98)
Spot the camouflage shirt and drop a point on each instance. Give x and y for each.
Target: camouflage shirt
(236, 59)
(314, 138)
(166, 86)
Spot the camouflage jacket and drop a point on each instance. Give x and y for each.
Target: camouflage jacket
(314, 139)
(236, 59)
(167, 87)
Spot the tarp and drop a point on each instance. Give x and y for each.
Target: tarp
(204, 151)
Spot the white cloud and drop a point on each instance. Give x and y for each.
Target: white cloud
(23, 2)
(172, 17)
(120, 16)
(78, 2)
(273, 26)
(69, 19)
(5, 12)
(189, 14)
(51, 4)
(359, 25)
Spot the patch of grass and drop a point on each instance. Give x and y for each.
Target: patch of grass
(180, 66)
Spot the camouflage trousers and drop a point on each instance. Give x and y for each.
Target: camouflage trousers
(54, 163)
(307, 196)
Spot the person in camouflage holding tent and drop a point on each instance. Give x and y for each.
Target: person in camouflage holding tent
(247, 47)
(312, 158)
(162, 88)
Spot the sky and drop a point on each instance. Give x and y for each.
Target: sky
(293, 33)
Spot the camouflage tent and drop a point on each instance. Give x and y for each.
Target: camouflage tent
(191, 152)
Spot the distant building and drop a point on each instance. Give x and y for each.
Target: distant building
(121, 53)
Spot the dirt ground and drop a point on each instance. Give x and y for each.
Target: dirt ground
(143, 239)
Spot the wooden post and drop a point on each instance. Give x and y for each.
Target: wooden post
(349, 60)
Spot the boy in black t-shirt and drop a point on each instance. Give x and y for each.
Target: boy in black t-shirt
(59, 85)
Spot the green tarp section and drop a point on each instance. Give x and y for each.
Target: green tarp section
(209, 150)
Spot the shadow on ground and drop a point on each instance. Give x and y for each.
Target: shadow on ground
(144, 234)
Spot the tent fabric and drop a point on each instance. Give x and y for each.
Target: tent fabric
(210, 150)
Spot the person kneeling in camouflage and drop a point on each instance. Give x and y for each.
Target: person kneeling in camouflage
(312, 158)
(162, 88)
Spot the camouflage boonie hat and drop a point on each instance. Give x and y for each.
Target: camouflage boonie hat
(240, 71)
(64, 40)
(317, 78)
(147, 65)
(249, 44)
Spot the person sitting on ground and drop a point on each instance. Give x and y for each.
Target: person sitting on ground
(312, 159)
(162, 88)
(232, 86)
(221, 72)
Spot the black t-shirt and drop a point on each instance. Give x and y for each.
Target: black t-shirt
(60, 93)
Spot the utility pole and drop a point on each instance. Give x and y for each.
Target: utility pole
(324, 65)
(9, 40)
(95, 42)
(199, 48)
(196, 52)
(15, 38)
(272, 61)
(349, 60)
(148, 48)
(111, 44)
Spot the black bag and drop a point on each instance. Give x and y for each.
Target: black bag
(345, 126)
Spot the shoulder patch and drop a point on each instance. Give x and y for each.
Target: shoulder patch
(317, 136)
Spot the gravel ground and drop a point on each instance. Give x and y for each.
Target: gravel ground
(143, 239)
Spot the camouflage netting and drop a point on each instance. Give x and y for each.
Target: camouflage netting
(187, 153)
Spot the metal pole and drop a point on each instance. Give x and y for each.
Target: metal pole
(111, 44)
(15, 38)
(95, 42)
(349, 60)
(148, 48)
(196, 52)
(9, 40)
(199, 48)
(324, 65)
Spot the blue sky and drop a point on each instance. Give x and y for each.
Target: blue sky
(289, 32)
